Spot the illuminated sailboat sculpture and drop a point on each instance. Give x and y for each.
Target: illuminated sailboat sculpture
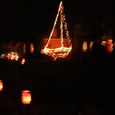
(62, 51)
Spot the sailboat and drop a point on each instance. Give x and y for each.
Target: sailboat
(62, 51)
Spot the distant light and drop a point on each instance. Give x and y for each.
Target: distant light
(26, 97)
(114, 44)
(24, 48)
(23, 61)
(103, 42)
(31, 48)
(13, 56)
(84, 46)
(2, 55)
(110, 40)
(1, 85)
(109, 45)
(91, 44)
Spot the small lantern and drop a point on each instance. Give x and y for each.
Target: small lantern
(1, 85)
(26, 97)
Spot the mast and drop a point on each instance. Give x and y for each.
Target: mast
(55, 22)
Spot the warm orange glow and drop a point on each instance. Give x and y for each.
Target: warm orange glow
(23, 61)
(1, 85)
(24, 48)
(61, 52)
(31, 48)
(91, 44)
(109, 45)
(84, 46)
(26, 97)
(114, 44)
(110, 40)
(13, 56)
(103, 42)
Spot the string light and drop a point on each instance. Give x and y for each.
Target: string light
(62, 51)
(13, 56)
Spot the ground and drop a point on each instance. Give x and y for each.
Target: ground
(77, 86)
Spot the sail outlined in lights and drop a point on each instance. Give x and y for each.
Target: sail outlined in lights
(62, 51)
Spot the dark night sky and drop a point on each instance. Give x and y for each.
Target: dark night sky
(27, 19)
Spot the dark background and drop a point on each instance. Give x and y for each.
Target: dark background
(27, 19)
(84, 86)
